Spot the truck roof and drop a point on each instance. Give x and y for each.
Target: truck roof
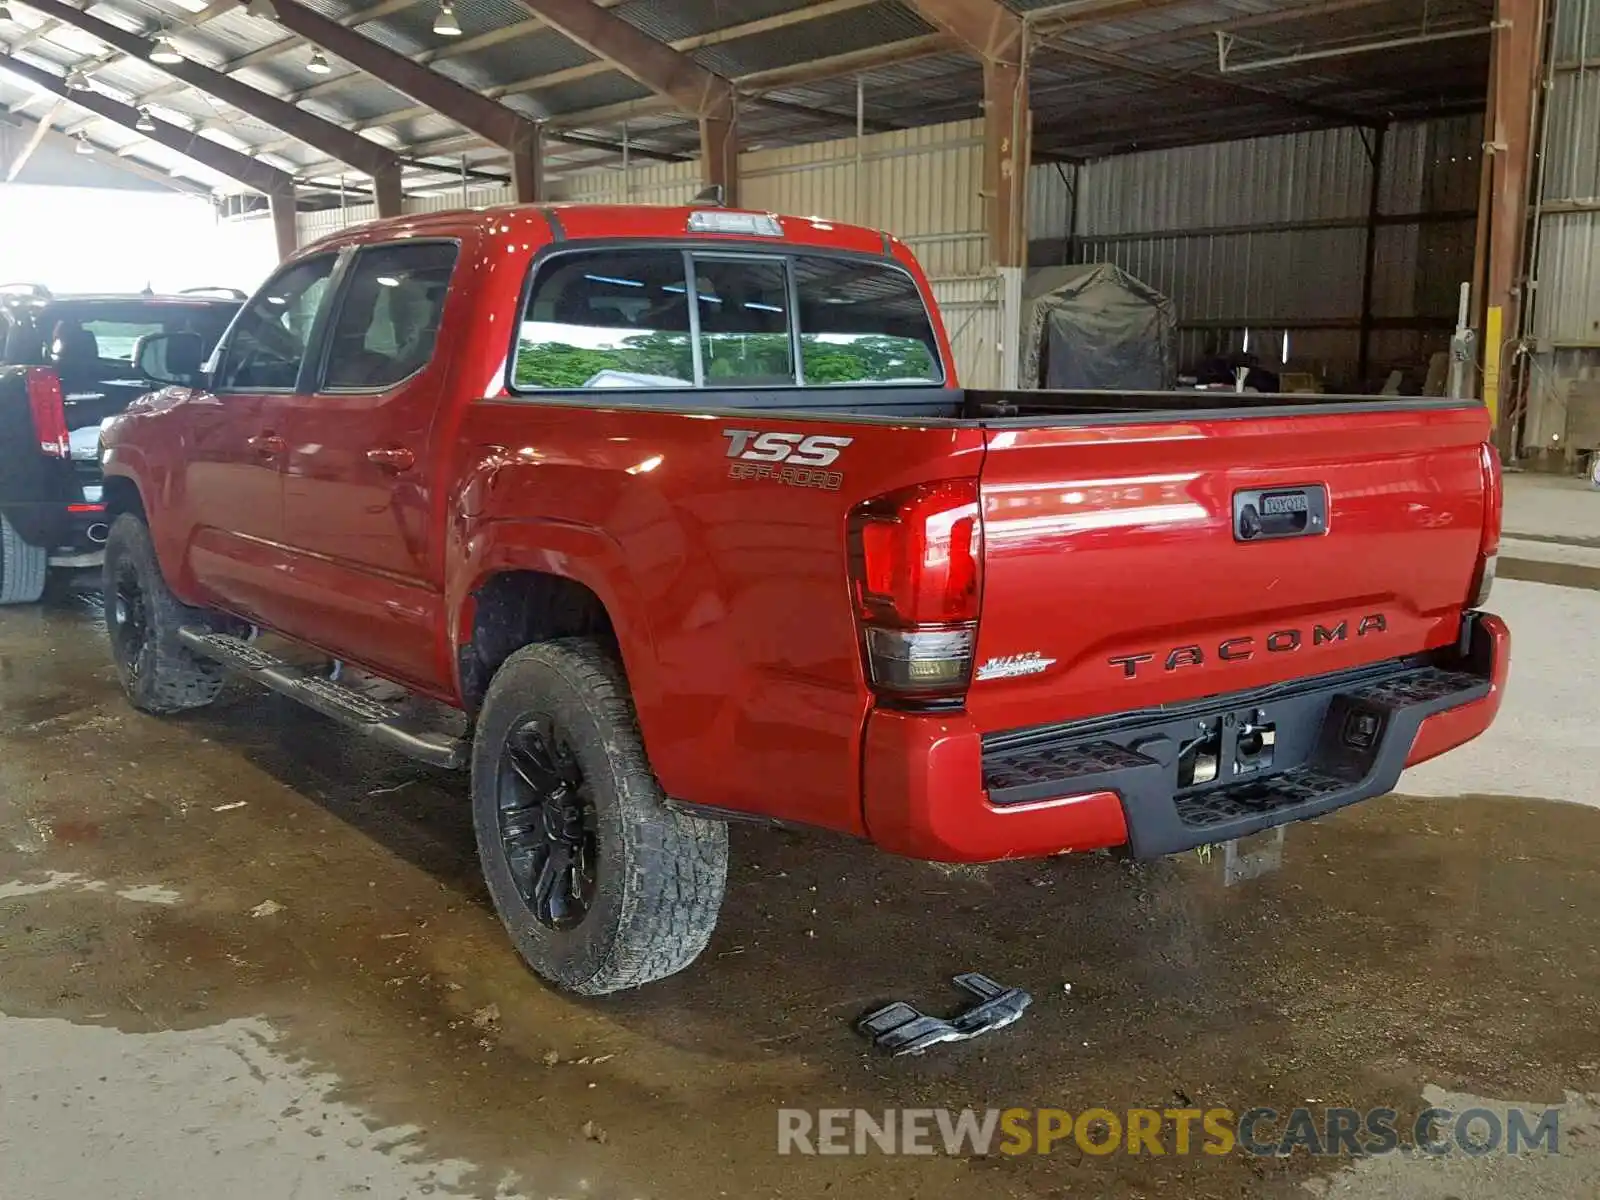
(535, 224)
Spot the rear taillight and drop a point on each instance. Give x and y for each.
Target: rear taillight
(1493, 516)
(49, 411)
(916, 565)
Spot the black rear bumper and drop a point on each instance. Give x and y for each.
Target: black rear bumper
(78, 527)
(1336, 739)
(53, 503)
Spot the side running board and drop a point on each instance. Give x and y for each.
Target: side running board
(331, 699)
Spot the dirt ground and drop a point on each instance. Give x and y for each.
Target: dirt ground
(246, 954)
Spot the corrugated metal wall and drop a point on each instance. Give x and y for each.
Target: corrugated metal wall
(652, 183)
(921, 184)
(1271, 234)
(1268, 233)
(1565, 298)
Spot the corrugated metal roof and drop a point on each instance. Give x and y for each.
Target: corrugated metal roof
(414, 130)
(237, 32)
(1167, 90)
(532, 54)
(668, 22)
(131, 76)
(216, 44)
(855, 29)
(594, 92)
(267, 77)
(481, 15)
(408, 32)
(1169, 20)
(364, 99)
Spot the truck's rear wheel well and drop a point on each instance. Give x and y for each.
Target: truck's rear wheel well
(518, 608)
(121, 496)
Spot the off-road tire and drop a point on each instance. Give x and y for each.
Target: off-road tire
(161, 676)
(659, 874)
(22, 567)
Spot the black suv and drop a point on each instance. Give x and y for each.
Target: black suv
(66, 364)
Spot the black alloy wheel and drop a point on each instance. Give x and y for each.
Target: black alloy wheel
(128, 615)
(547, 826)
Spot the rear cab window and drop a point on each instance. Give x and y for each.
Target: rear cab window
(716, 316)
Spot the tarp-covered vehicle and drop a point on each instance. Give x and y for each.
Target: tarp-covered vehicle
(1095, 326)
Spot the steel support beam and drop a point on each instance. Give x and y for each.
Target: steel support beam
(1278, 16)
(1375, 148)
(252, 173)
(283, 45)
(852, 62)
(32, 144)
(181, 184)
(527, 168)
(1198, 82)
(660, 68)
(284, 231)
(534, 83)
(334, 140)
(387, 192)
(493, 122)
(1005, 159)
(188, 21)
(997, 36)
(1077, 14)
(666, 72)
(1515, 58)
(986, 28)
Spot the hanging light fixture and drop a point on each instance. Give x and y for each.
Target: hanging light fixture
(262, 9)
(445, 24)
(319, 63)
(144, 124)
(5, 14)
(77, 81)
(83, 146)
(163, 51)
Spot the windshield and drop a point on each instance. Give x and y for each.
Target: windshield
(96, 338)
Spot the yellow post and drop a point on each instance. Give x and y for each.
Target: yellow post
(1492, 338)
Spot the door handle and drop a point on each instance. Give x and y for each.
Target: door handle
(392, 458)
(268, 445)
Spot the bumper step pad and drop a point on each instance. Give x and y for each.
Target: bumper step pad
(901, 1029)
(1337, 740)
(380, 721)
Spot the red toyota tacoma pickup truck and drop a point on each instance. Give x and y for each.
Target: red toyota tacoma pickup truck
(681, 514)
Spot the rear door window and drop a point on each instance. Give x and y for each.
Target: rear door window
(616, 319)
(389, 315)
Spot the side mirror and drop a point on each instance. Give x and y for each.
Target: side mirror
(170, 358)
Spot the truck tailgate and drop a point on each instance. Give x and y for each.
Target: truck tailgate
(1117, 578)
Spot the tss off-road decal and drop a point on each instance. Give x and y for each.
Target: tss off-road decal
(796, 459)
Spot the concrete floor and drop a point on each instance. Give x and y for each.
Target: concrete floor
(245, 955)
(1555, 508)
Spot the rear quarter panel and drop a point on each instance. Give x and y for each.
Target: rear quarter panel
(729, 592)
